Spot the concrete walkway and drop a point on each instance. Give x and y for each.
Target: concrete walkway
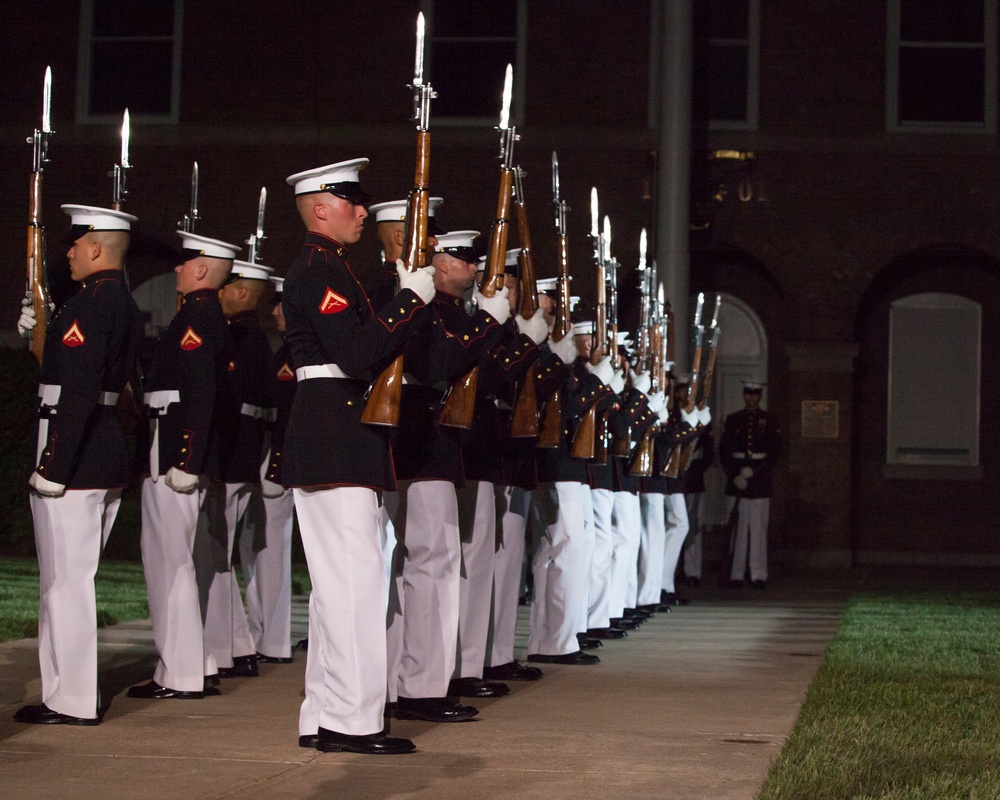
(694, 705)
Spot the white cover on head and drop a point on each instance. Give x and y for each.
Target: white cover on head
(213, 248)
(511, 260)
(279, 283)
(316, 180)
(583, 328)
(99, 219)
(255, 272)
(547, 284)
(458, 239)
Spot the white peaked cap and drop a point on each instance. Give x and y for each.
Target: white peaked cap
(322, 178)
(99, 219)
(213, 248)
(583, 328)
(279, 283)
(254, 272)
(395, 210)
(547, 284)
(574, 301)
(512, 255)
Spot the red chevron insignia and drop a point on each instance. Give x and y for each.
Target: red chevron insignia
(191, 340)
(333, 303)
(74, 336)
(285, 373)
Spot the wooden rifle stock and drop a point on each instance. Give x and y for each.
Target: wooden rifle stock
(36, 267)
(642, 463)
(386, 393)
(460, 401)
(524, 416)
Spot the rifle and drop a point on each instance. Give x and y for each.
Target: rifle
(385, 394)
(642, 464)
(706, 383)
(460, 401)
(551, 423)
(191, 217)
(257, 237)
(585, 439)
(673, 469)
(37, 284)
(524, 416)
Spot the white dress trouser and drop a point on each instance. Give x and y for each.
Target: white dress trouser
(423, 597)
(266, 558)
(590, 542)
(692, 547)
(227, 633)
(626, 522)
(70, 533)
(560, 583)
(512, 510)
(751, 534)
(677, 531)
(651, 544)
(169, 523)
(345, 662)
(477, 524)
(602, 502)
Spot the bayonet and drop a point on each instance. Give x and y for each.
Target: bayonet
(118, 190)
(715, 312)
(191, 217)
(257, 237)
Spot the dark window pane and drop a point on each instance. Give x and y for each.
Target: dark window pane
(941, 85)
(464, 18)
(468, 78)
(941, 20)
(134, 75)
(727, 98)
(729, 19)
(133, 18)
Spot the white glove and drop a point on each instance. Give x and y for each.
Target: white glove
(497, 306)
(617, 383)
(45, 487)
(690, 417)
(740, 483)
(642, 382)
(663, 414)
(704, 415)
(602, 369)
(657, 402)
(565, 348)
(270, 488)
(420, 281)
(746, 473)
(27, 321)
(534, 328)
(180, 481)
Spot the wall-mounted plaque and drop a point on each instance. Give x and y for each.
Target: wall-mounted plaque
(820, 419)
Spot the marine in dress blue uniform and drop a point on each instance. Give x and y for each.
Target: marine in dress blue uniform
(91, 348)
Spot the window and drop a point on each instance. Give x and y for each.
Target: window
(733, 30)
(470, 47)
(934, 361)
(942, 64)
(129, 58)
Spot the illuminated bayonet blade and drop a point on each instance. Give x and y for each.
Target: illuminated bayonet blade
(607, 238)
(260, 212)
(642, 250)
(594, 230)
(47, 101)
(555, 177)
(715, 313)
(194, 192)
(126, 134)
(508, 84)
(698, 309)
(418, 67)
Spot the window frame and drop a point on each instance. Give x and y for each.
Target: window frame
(893, 46)
(752, 42)
(520, 63)
(83, 81)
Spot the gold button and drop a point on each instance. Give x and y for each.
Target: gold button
(390, 319)
(466, 337)
(184, 449)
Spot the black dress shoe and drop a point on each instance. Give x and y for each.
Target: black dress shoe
(153, 691)
(43, 715)
(579, 657)
(624, 624)
(587, 643)
(638, 614)
(262, 659)
(243, 667)
(759, 584)
(302, 644)
(606, 633)
(673, 599)
(476, 687)
(512, 671)
(433, 709)
(374, 744)
(309, 741)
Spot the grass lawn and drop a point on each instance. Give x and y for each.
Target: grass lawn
(120, 586)
(905, 705)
